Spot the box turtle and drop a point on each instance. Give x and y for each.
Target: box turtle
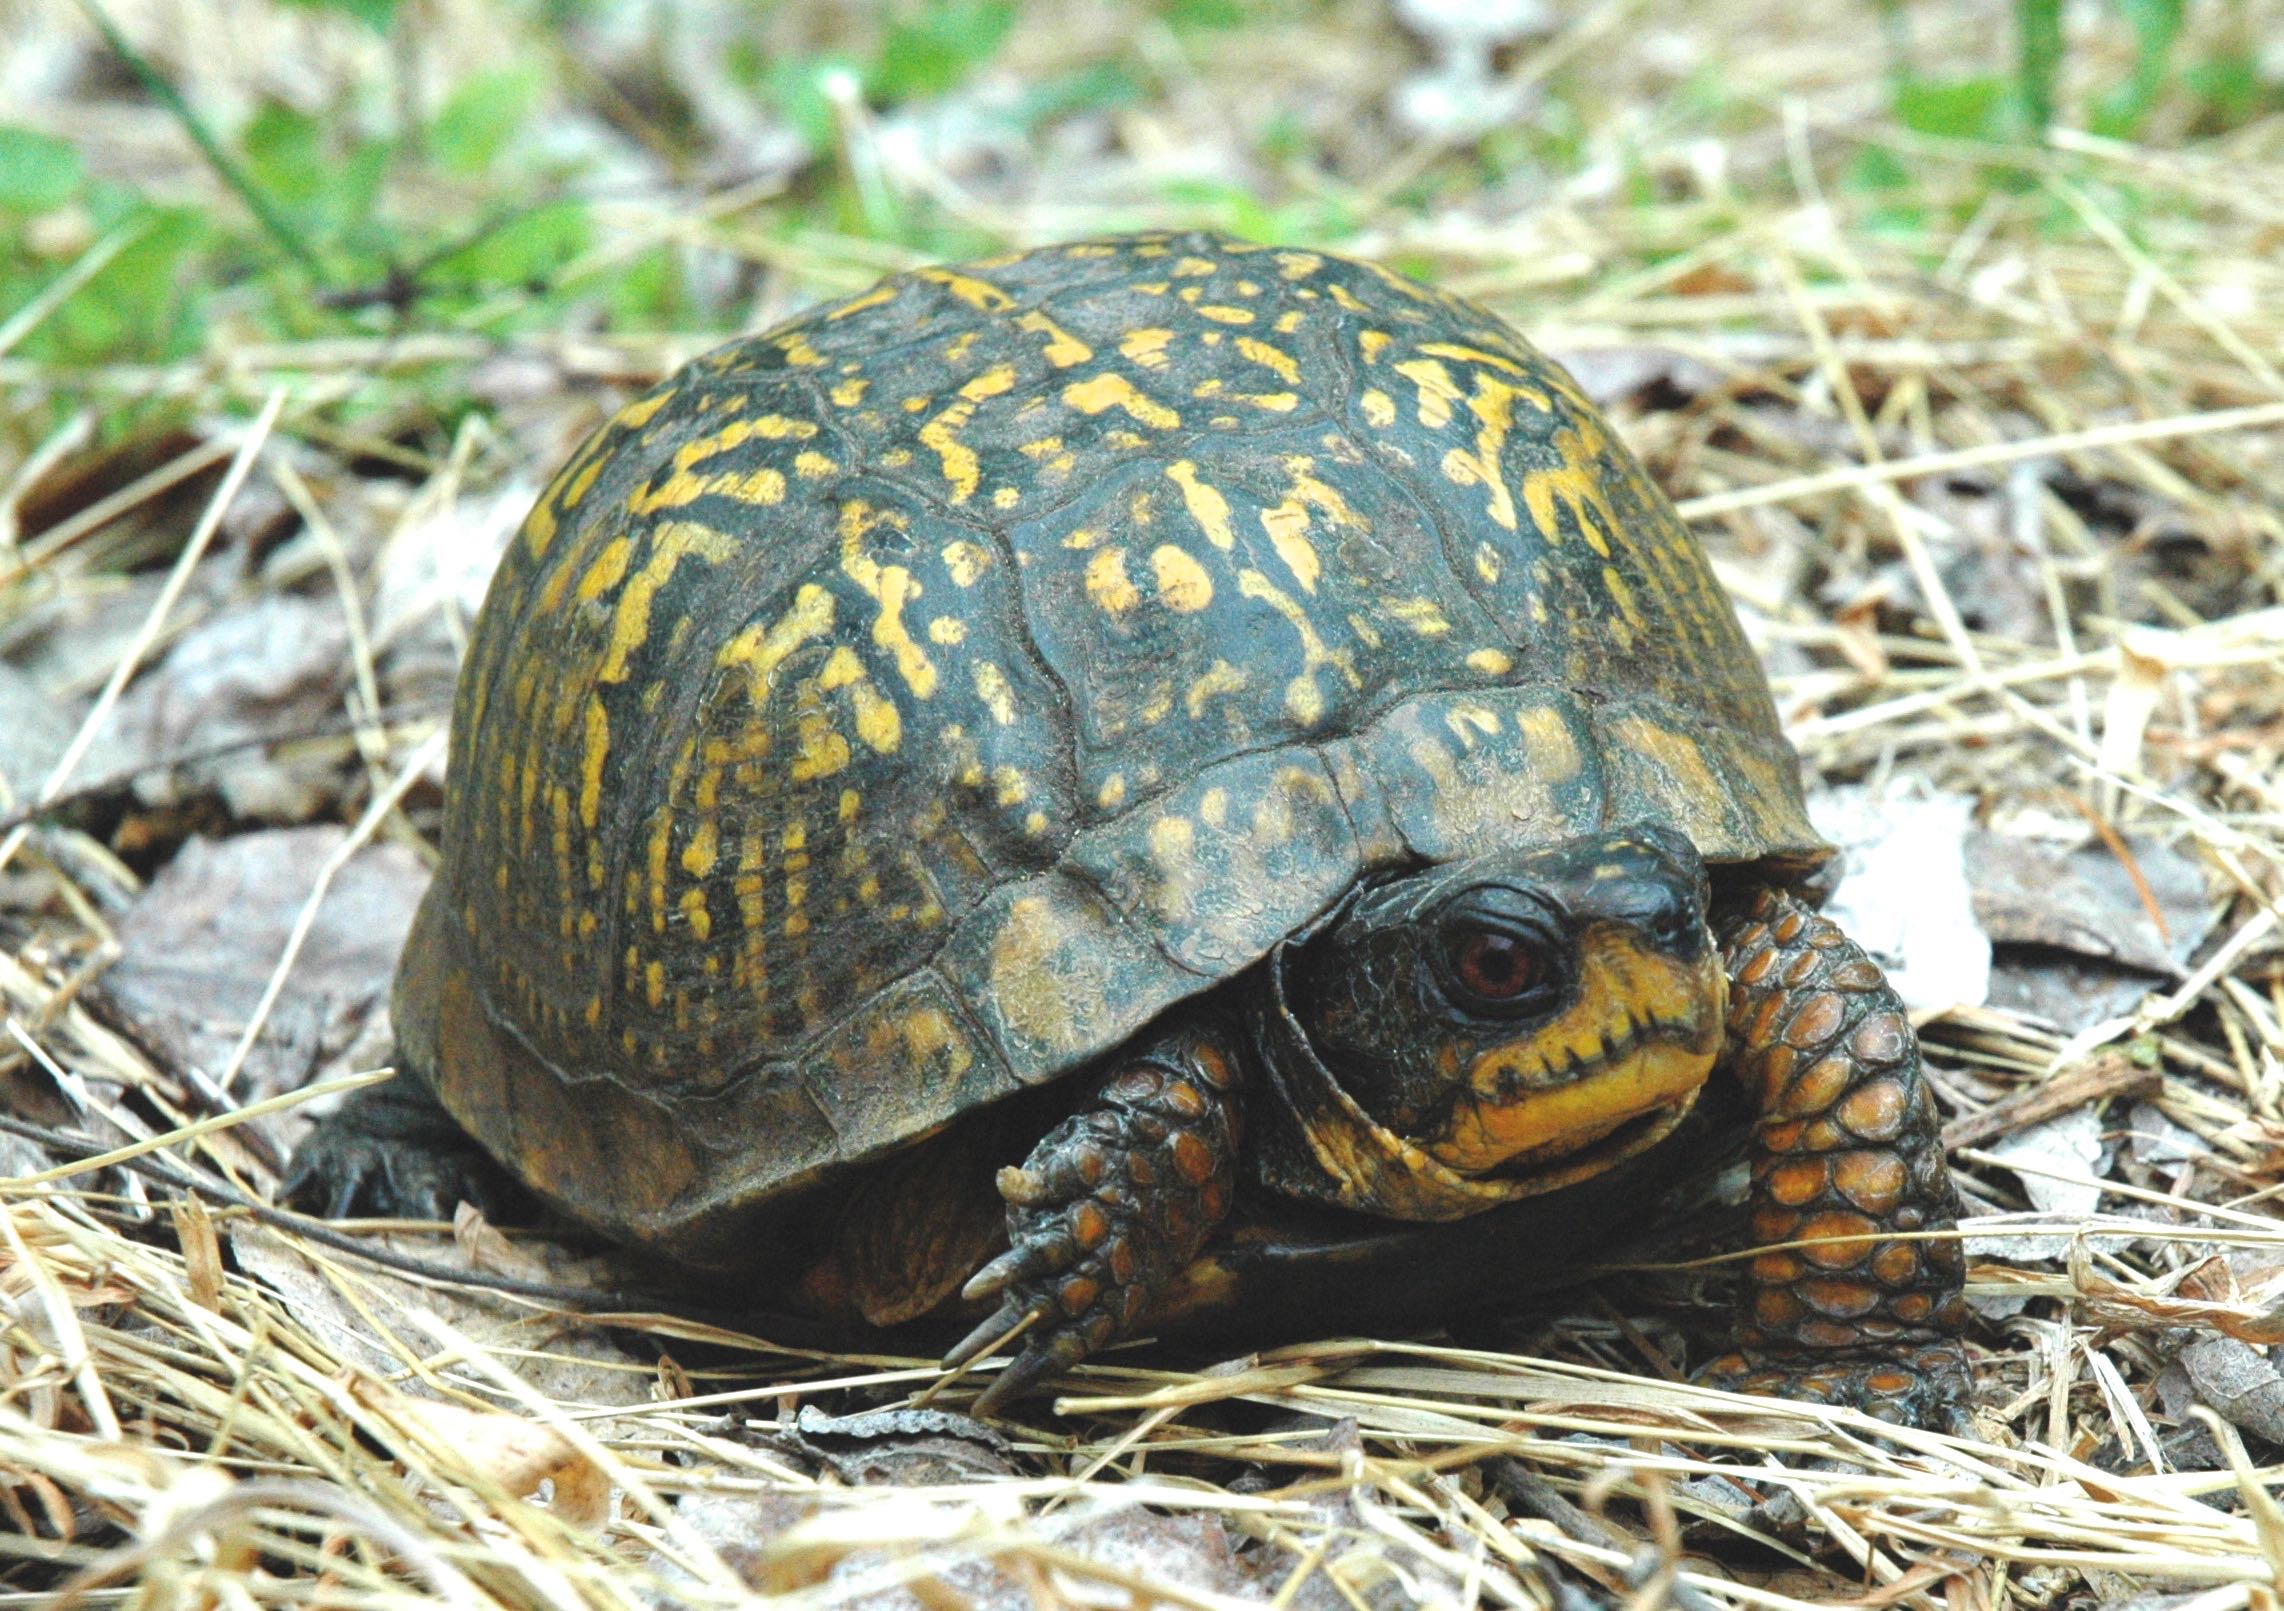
(1153, 778)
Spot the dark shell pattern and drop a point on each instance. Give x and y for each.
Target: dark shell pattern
(900, 708)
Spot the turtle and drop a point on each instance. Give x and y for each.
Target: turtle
(1151, 778)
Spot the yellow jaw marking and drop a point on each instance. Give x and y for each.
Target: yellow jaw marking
(1641, 1037)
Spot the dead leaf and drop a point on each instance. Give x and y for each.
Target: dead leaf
(518, 1453)
(201, 942)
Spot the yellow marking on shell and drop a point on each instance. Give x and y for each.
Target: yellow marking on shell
(1346, 298)
(879, 294)
(762, 649)
(1287, 525)
(981, 295)
(1146, 347)
(842, 667)
(1468, 721)
(1379, 408)
(1042, 447)
(847, 807)
(1492, 404)
(1438, 392)
(684, 484)
(539, 527)
(1221, 313)
(1304, 699)
(889, 586)
(1491, 662)
(1371, 343)
(1677, 755)
(941, 434)
(1298, 265)
(992, 688)
(1553, 749)
(966, 561)
(1009, 787)
(1462, 353)
(1213, 808)
(1487, 563)
(1220, 678)
(1269, 402)
(798, 352)
(1623, 594)
(928, 1034)
(1050, 978)
(1108, 585)
(809, 464)
(878, 722)
(1081, 538)
(575, 491)
(598, 749)
(1062, 349)
(1116, 391)
(704, 848)
(630, 629)
(848, 393)
(1423, 616)
(654, 859)
(948, 630)
(1253, 585)
(642, 410)
(1183, 585)
(956, 353)
(654, 982)
(1194, 267)
(1112, 794)
(1006, 497)
(608, 569)
(1576, 487)
(1205, 503)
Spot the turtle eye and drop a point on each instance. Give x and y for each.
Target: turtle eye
(1496, 965)
(1498, 968)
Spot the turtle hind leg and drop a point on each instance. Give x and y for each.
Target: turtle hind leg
(1847, 1303)
(392, 1152)
(1111, 1205)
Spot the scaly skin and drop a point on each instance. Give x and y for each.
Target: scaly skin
(1846, 1146)
(1110, 1206)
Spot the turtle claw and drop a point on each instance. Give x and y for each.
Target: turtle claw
(391, 1154)
(1111, 1204)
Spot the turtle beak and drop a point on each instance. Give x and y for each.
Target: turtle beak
(1629, 1053)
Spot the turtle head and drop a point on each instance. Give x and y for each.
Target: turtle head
(1522, 1011)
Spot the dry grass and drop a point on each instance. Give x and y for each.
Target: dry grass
(1992, 468)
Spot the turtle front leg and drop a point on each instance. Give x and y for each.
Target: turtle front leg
(1846, 1151)
(1110, 1206)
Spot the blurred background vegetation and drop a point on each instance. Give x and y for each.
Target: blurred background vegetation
(181, 180)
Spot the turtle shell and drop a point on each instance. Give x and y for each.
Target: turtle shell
(899, 709)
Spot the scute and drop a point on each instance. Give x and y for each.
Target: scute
(900, 708)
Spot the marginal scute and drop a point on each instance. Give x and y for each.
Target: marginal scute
(901, 707)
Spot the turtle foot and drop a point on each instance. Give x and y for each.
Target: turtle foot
(1927, 1385)
(390, 1154)
(1108, 1208)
